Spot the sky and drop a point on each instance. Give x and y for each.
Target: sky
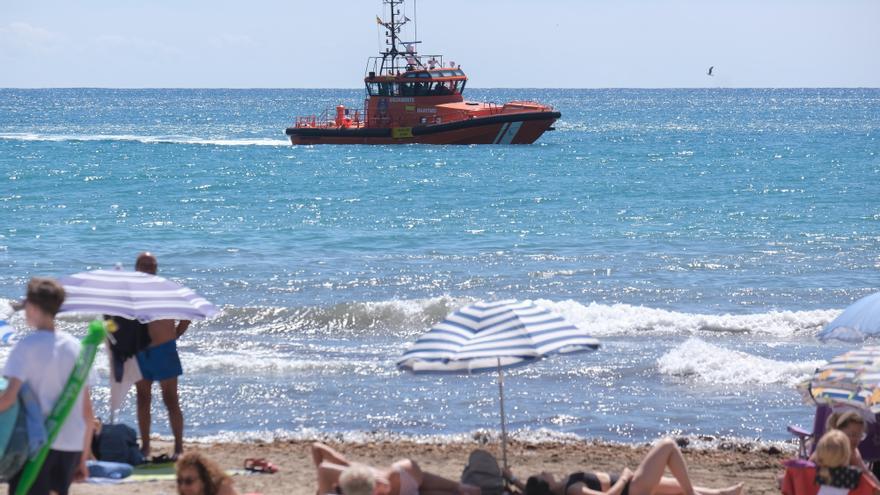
(498, 43)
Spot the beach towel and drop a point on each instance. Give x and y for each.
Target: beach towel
(482, 470)
(152, 472)
(131, 374)
(33, 414)
(111, 470)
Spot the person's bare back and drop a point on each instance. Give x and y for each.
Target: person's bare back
(161, 331)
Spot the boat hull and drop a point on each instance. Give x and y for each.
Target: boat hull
(513, 128)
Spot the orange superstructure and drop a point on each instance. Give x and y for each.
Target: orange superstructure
(414, 98)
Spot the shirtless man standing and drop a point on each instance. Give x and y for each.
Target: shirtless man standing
(159, 362)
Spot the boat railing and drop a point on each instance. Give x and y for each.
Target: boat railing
(409, 61)
(351, 117)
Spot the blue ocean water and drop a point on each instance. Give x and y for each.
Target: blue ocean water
(705, 236)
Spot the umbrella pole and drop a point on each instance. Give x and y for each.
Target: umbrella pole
(503, 420)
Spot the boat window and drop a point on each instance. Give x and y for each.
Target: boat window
(459, 72)
(448, 73)
(424, 75)
(373, 89)
(387, 89)
(441, 89)
(459, 86)
(415, 89)
(411, 75)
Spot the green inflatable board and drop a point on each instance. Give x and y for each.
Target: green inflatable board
(65, 403)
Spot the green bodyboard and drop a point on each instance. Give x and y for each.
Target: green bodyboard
(65, 403)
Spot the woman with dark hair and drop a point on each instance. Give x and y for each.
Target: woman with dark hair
(198, 475)
(647, 479)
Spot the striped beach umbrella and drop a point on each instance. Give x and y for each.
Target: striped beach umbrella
(858, 321)
(133, 295)
(491, 336)
(849, 380)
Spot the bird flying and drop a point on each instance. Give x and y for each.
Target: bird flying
(710, 71)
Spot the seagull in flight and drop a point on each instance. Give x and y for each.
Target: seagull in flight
(710, 71)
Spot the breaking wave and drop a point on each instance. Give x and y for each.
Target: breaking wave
(716, 365)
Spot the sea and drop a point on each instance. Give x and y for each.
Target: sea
(704, 236)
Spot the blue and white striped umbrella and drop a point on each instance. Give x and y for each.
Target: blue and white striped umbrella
(133, 295)
(489, 336)
(486, 335)
(858, 321)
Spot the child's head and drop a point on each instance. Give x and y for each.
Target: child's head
(44, 299)
(832, 451)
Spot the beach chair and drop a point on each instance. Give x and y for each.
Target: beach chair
(800, 479)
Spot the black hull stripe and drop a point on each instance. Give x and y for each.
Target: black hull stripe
(422, 130)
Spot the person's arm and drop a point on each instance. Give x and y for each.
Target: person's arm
(89, 417)
(182, 325)
(10, 395)
(860, 463)
(617, 488)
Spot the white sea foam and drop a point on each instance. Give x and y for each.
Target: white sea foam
(716, 365)
(625, 319)
(408, 317)
(27, 136)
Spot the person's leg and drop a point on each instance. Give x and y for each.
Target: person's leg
(44, 478)
(664, 454)
(648, 478)
(63, 471)
(144, 402)
(175, 416)
(670, 486)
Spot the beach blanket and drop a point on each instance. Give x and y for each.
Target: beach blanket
(152, 472)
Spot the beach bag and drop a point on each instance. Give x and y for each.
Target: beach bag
(482, 470)
(118, 443)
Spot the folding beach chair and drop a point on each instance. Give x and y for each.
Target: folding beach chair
(800, 479)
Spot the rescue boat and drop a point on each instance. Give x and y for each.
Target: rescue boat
(412, 98)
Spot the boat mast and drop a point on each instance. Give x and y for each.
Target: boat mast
(392, 31)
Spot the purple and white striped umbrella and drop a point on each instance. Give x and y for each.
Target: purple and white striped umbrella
(133, 295)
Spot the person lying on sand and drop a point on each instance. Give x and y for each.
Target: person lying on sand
(403, 477)
(647, 479)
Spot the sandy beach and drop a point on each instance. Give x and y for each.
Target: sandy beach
(755, 466)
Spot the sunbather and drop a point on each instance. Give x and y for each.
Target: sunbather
(647, 479)
(198, 475)
(403, 477)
